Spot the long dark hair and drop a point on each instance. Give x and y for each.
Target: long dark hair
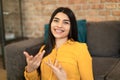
(73, 34)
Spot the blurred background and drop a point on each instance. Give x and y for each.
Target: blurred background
(23, 19)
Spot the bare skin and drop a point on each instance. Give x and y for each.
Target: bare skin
(57, 69)
(33, 62)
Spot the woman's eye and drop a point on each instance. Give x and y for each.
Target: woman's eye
(66, 23)
(55, 20)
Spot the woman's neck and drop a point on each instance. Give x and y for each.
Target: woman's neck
(59, 42)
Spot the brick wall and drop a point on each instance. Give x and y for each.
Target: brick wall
(36, 13)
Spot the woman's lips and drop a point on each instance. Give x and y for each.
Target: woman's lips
(59, 30)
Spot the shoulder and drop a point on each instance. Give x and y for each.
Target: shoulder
(80, 50)
(76, 44)
(80, 47)
(79, 44)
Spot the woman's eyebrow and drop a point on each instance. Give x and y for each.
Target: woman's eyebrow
(56, 18)
(66, 20)
(63, 20)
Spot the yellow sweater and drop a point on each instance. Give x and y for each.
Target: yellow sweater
(74, 59)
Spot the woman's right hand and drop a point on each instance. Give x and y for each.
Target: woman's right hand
(33, 62)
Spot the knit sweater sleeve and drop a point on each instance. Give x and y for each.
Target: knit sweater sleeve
(32, 75)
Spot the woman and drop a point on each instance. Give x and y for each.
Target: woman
(62, 57)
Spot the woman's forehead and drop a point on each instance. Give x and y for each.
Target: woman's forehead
(61, 15)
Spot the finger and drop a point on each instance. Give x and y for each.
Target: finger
(60, 67)
(31, 57)
(56, 62)
(49, 60)
(37, 59)
(42, 54)
(27, 55)
(49, 63)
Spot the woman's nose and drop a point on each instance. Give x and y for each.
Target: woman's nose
(60, 24)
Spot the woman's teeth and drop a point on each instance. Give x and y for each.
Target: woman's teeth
(59, 31)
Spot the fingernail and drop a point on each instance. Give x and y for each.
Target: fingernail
(43, 51)
(24, 52)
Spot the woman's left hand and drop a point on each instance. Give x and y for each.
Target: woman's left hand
(57, 69)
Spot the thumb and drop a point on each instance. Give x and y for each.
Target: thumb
(42, 54)
(26, 54)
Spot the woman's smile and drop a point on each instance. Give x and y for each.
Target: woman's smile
(60, 26)
(59, 30)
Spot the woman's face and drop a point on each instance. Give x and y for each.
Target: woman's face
(60, 26)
